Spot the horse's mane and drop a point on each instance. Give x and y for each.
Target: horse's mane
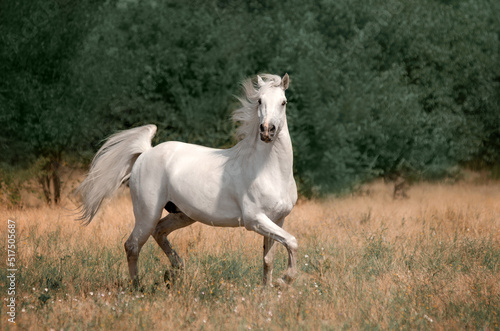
(247, 115)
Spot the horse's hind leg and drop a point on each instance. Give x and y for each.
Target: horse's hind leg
(168, 224)
(145, 224)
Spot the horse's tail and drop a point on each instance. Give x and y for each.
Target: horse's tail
(111, 167)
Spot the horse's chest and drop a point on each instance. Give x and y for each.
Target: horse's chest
(278, 208)
(276, 201)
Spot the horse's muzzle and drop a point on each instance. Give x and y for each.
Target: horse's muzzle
(267, 132)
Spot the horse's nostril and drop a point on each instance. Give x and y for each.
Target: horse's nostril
(272, 129)
(261, 128)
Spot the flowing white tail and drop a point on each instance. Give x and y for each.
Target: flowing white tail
(111, 167)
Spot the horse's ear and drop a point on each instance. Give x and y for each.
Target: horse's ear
(260, 82)
(285, 81)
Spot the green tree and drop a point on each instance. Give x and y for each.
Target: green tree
(384, 88)
(40, 117)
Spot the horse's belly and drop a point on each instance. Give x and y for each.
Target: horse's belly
(205, 197)
(215, 212)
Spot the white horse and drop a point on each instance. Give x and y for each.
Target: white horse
(250, 184)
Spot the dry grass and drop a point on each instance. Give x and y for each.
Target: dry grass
(429, 262)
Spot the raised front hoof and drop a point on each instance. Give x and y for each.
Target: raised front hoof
(280, 284)
(283, 282)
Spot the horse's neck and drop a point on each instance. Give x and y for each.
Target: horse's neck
(280, 151)
(274, 156)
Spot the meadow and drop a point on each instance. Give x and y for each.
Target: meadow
(366, 261)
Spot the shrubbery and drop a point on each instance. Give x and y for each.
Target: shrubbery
(378, 88)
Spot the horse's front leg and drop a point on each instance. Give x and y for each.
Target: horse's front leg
(263, 225)
(269, 250)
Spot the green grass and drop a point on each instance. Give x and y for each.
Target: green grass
(372, 284)
(417, 274)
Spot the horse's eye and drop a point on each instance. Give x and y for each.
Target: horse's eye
(283, 103)
(260, 102)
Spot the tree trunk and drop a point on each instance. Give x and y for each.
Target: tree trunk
(50, 180)
(45, 182)
(56, 182)
(400, 188)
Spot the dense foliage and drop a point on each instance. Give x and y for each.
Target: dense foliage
(378, 87)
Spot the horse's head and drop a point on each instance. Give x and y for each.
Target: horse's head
(271, 107)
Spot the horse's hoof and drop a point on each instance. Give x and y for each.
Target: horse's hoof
(280, 283)
(169, 278)
(135, 285)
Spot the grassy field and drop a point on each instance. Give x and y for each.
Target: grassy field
(366, 261)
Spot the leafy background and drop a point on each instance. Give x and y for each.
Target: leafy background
(379, 88)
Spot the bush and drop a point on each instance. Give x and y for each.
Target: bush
(377, 89)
